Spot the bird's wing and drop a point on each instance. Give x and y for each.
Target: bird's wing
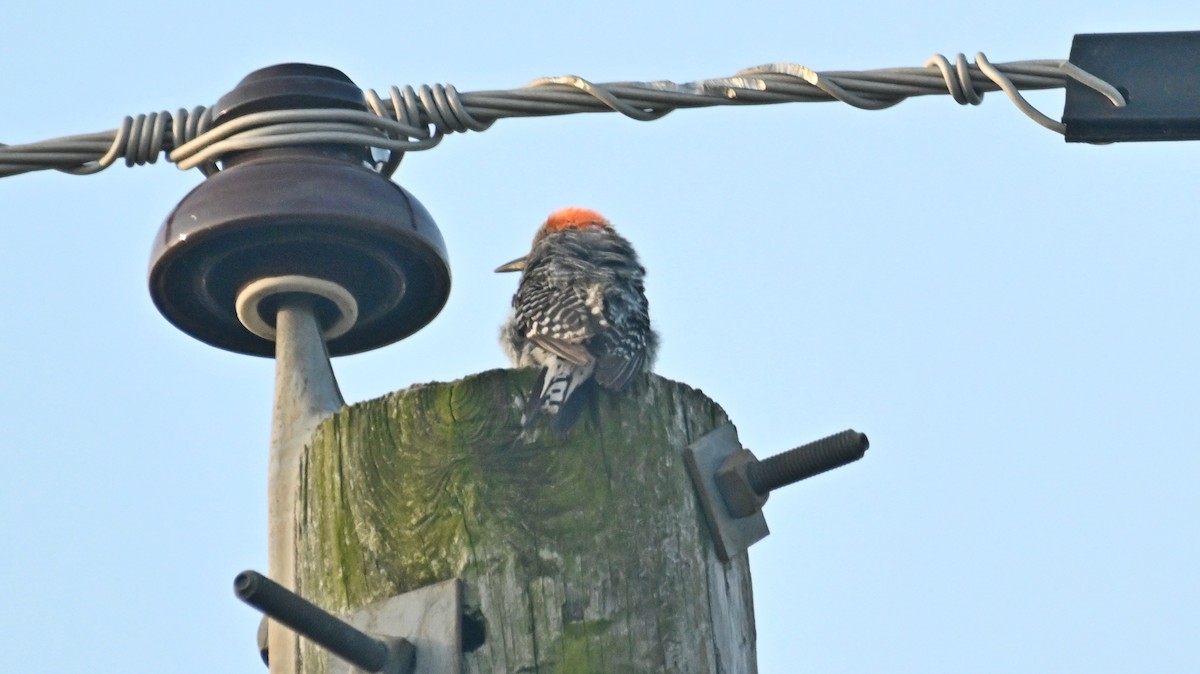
(561, 318)
(576, 354)
(614, 369)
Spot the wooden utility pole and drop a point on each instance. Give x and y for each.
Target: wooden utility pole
(449, 537)
(578, 553)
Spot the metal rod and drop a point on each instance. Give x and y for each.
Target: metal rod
(806, 461)
(340, 638)
(306, 392)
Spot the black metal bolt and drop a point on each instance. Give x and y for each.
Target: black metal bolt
(745, 482)
(394, 656)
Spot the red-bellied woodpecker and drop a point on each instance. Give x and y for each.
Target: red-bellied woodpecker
(580, 313)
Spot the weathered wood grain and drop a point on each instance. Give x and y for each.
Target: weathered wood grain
(579, 553)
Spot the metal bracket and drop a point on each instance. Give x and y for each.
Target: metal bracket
(703, 458)
(430, 618)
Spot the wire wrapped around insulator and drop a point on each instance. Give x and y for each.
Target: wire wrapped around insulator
(401, 114)
(435, 106)
(188, 124)
(444, 109)
(418, 118)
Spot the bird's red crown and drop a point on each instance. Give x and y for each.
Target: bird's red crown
(574, 218)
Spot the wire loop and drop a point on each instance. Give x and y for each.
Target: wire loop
(957, 79)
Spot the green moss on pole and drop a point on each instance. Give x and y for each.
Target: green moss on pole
(580, 553)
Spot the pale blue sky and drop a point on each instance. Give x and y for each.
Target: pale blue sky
(1010, 318)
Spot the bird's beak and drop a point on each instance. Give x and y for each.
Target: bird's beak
(516, 265)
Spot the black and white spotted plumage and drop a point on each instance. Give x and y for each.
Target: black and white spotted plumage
(580, 313)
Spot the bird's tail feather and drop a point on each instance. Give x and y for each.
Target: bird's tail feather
(562, 390)
(568, 412)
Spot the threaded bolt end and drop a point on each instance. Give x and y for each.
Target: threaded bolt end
(806, 461)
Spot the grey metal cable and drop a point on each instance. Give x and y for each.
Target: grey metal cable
(418, 118)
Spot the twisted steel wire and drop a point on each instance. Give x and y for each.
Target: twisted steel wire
(413, 119)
